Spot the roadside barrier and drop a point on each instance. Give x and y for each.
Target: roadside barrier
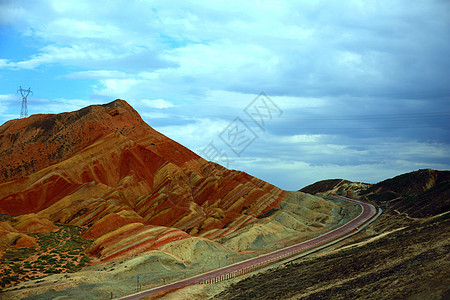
(289, 253)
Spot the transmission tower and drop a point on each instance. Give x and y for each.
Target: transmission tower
(25, 94)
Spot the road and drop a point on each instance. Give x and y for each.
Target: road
(250, 265)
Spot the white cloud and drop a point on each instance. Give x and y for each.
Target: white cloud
(191, 67)
(300, 138)
(295, 171)
(96, 74)
(4, 63)
(284, 48)
(74, 54)
(154, 115)
(157, 103)
(9, 97)
(4, 99)
(58, 105)
(196, 134)
(6, 102)
(221, 58)
(78, 29)
(69, 6)
(119, 88)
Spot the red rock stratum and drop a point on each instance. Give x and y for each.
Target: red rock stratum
(103, 168)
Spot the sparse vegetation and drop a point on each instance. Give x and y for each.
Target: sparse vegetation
(61, 251)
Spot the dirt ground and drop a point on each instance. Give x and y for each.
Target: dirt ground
(411, 261)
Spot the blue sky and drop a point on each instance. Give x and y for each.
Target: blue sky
(352, 89)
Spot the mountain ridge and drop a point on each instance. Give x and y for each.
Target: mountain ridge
(59, 136)
(409, 192)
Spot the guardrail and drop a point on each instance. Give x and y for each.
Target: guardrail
(295, 249)
(283, 255)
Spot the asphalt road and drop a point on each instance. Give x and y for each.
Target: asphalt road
(368, 212)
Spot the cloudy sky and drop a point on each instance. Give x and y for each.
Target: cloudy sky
(289, 91)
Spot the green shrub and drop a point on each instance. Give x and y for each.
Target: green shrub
(9, 279)
(52, 261)
(52, 270)
(17, 259)
(45, 257)
(15, 267)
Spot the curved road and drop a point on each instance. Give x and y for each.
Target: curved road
(368, 212)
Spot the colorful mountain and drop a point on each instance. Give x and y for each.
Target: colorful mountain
(131, 188)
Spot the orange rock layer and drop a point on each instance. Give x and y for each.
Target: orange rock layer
(104, 168)
(14, 232)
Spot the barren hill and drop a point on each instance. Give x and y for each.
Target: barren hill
(109, 153)
(122, 188)
(408, 193)
(337, 187)
(421, 193)
(31, 144)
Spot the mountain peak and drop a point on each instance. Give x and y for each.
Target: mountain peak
(31, 144)
(117, 107)
(103, 167)
(118, 103)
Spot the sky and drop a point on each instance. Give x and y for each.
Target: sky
(291, 92)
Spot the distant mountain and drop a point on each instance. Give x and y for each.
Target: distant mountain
(337, 187)
(419, 194)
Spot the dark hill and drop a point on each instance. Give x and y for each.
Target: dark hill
(337, 187)
(422, 193)
(411, 184)
(323, 186)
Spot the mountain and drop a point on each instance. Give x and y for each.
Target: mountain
(57, 164)
(103, 185)
(336, 187)
(421, 193)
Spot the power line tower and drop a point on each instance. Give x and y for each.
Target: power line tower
(25, 94)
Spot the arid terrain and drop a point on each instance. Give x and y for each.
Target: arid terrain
(92, 199)
(405, 254)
